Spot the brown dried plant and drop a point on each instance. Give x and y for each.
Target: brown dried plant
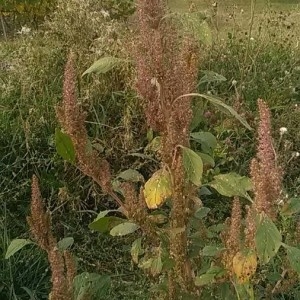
(72, 119)
(267, 179)
(266, 175)
(232, 237)
(166, 69)
(62, 264)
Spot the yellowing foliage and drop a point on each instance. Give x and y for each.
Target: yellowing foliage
(158, 188)
(244, 266)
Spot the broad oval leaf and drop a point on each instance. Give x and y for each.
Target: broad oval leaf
(267, 238)
(232, 184)
(65, 243)
(124, 229)
(205, 34)
(154, 145)
(64, 146)
(131, 175)
(205, 279)
(211, 250)
(91, 285)
(207, 140)
(210, 276)
(198, 111)
(291, 207)
(136, 250)
(210, 76)
(293, 255)
(154, 264)
(158, 218)
(158, 188)
(15, 246)
(201, 212)
(105, 224)
(193, 23)
(193, 165)
(104, 65)
(244, 266)
(207, 159)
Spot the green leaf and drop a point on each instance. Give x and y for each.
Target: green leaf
(232, 184)
(124, 229)
(104, 65)
(15, 246)
(207, 159)
(293, 255)
(65, 243)
(168, 263)
(193, 23)
(105, 224)
(154, 264)
(244, 291)
(136, 250)
(217, 102)
(91, 285)
(291, 207)
(64, 146)
(207, 140)
(267, 238)
(158, 218)
(204, 191)
(131, 175)
(210, 276)
(198, 111)
(205, 34)
(210, 76)
(193, 165)
(154, 145)
(211, 250)
(201, 213)
(204, 279)
(220, 105)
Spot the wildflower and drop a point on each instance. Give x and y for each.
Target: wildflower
(24, 30)
(252, 39)
(283, 130)
(104, 13)
(234, 82)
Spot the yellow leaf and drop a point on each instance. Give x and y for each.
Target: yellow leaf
(158, 188)
(244, 266)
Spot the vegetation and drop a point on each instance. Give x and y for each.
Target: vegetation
(138, 159)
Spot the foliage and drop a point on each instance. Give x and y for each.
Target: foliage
(219, 146)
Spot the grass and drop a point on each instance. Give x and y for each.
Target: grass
(27, 125)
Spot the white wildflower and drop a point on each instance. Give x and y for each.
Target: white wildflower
(252, 39)
(24, 30)
(104, 13)
(234, 82)
(283, 130)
